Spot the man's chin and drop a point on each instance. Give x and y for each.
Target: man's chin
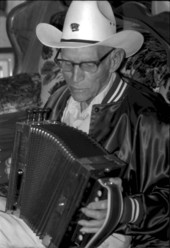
(79, 97)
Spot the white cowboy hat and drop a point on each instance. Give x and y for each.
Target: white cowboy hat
(89, 23)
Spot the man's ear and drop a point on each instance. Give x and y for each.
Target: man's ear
(117, 56)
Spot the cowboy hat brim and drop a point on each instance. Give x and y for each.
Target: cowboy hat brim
(52, 37)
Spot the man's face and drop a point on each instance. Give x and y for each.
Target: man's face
(83, 85)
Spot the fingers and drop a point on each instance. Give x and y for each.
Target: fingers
(91, 223)
(91, 226)
(97, 212)
(89, 230)
(94, 214)
(97, 205)
(117, 181)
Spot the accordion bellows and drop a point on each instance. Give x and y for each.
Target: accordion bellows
(55, 171)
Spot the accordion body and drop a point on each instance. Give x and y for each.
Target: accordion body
(55, 171)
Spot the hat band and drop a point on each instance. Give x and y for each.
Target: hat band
(81, 41)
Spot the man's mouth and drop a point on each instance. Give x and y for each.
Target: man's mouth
(77, 89)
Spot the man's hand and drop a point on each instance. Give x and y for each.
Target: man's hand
(97, 212)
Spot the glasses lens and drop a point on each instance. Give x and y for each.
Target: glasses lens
(89, 66)
(65, 65)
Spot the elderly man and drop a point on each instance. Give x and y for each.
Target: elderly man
(126, 118)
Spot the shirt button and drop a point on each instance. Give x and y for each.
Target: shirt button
(96, 109)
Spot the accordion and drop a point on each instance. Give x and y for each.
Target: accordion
(55, 171)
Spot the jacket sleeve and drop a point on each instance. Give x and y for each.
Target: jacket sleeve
(146, 203)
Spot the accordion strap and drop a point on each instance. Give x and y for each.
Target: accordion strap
(114, 212)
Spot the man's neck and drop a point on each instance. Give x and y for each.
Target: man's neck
(84, 105)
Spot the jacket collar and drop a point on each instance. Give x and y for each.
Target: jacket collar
(116, 91)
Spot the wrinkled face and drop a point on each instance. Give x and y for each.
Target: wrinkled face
(83, 85)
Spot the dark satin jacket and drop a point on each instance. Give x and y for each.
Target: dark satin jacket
(137, 129)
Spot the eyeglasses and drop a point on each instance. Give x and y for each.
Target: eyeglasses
(88, 66)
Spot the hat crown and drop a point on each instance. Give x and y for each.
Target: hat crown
(160, 6)
(89, 20)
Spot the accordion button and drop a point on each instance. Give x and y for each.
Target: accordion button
(96, 109)
(99, 193)
(80, 237)
(20, 171)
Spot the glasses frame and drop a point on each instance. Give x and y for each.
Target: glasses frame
(97, 63)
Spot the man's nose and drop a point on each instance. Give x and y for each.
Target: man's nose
(78, 74)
